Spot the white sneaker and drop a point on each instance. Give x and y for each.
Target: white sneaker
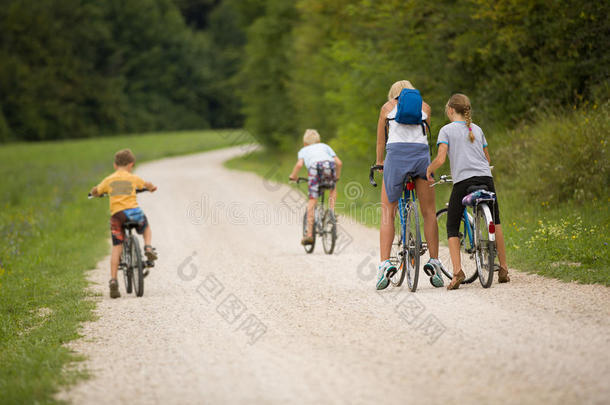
(384, 273)
(433, 269)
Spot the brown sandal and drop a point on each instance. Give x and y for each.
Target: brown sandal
(456, 281)
(503, 275)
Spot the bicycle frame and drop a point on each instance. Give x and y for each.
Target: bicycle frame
(408, 194)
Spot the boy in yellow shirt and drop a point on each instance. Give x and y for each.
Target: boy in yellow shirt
(121, 187)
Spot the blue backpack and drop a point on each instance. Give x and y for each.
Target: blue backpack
(408, 110)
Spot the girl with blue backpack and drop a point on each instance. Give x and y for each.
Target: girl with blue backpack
(401, 137)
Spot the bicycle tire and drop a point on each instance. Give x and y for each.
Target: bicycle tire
(398, 253)
(329, 232)
(124, 264)
(413, 245)
(467, 263)
(137, 267)
(309, 248)
(485, 245)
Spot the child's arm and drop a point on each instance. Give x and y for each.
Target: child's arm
(94, 192)
(294, 175)
(487, 155)
(338, 165)
(427, 110)
(438, 161)
(150, 187)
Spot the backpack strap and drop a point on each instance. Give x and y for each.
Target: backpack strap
(386, 128)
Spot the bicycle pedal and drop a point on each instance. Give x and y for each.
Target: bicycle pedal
(150, 263)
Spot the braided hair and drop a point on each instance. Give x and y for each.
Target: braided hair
(461, 104)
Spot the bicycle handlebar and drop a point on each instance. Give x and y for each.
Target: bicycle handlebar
(138, 190)
(372, 174)
(444, 179)
(299, 180)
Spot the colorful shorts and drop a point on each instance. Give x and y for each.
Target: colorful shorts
(118, 220)
(321, 174)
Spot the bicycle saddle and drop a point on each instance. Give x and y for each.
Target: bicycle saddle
(130, 224)
(475, 187)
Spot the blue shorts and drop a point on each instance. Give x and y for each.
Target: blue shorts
(403, 160)
(118, 220)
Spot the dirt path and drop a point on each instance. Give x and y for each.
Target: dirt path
(235, 312)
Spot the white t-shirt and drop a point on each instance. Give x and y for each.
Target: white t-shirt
(317, 152)
(467, 158)
(405, 133)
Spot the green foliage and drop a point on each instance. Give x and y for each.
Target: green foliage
(264, 77)
(563, 157)
(51, 234)
(512, 58)
(78, 68)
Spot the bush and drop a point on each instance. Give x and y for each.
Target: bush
(564, 157)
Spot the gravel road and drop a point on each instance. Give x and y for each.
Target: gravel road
(236, 312)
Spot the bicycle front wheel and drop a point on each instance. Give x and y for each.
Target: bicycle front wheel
(137, 267)
(413, 239)
(398, 254)
(329, 231)
(466, 239)
(485, 245)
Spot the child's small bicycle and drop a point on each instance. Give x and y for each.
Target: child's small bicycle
(131, 264)
(325, 223)
(477, 236)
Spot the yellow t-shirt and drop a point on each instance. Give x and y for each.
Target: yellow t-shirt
(121, 188)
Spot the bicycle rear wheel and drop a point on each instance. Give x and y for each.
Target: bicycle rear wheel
(329, 231)
(413, 245)
(137, 267)
(308, 248)
(398, 253)
(124, 264)
(485, 245)
(467, 262)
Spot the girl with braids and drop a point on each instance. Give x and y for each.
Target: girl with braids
(470, 165)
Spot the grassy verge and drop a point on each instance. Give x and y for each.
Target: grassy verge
(50, 235)
(565, 238)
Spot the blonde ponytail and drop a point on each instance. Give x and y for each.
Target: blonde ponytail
(468, 119)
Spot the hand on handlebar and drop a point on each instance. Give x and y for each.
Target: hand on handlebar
(372, 174)
(443, 179)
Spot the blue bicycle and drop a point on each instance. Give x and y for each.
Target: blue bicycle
(477, 235)
(407, 246)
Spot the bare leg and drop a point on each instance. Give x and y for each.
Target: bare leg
(454, 251)
(427, 205)
(501, 247)
(147, 235)
(311, 205)
(386, 230)
(332, 197)
(114, 260)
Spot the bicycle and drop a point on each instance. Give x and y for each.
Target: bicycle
(325, 223)
(407, 246)
(476, 235)
(132, 266)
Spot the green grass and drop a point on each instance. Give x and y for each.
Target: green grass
(51, 234)
(566, 238)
